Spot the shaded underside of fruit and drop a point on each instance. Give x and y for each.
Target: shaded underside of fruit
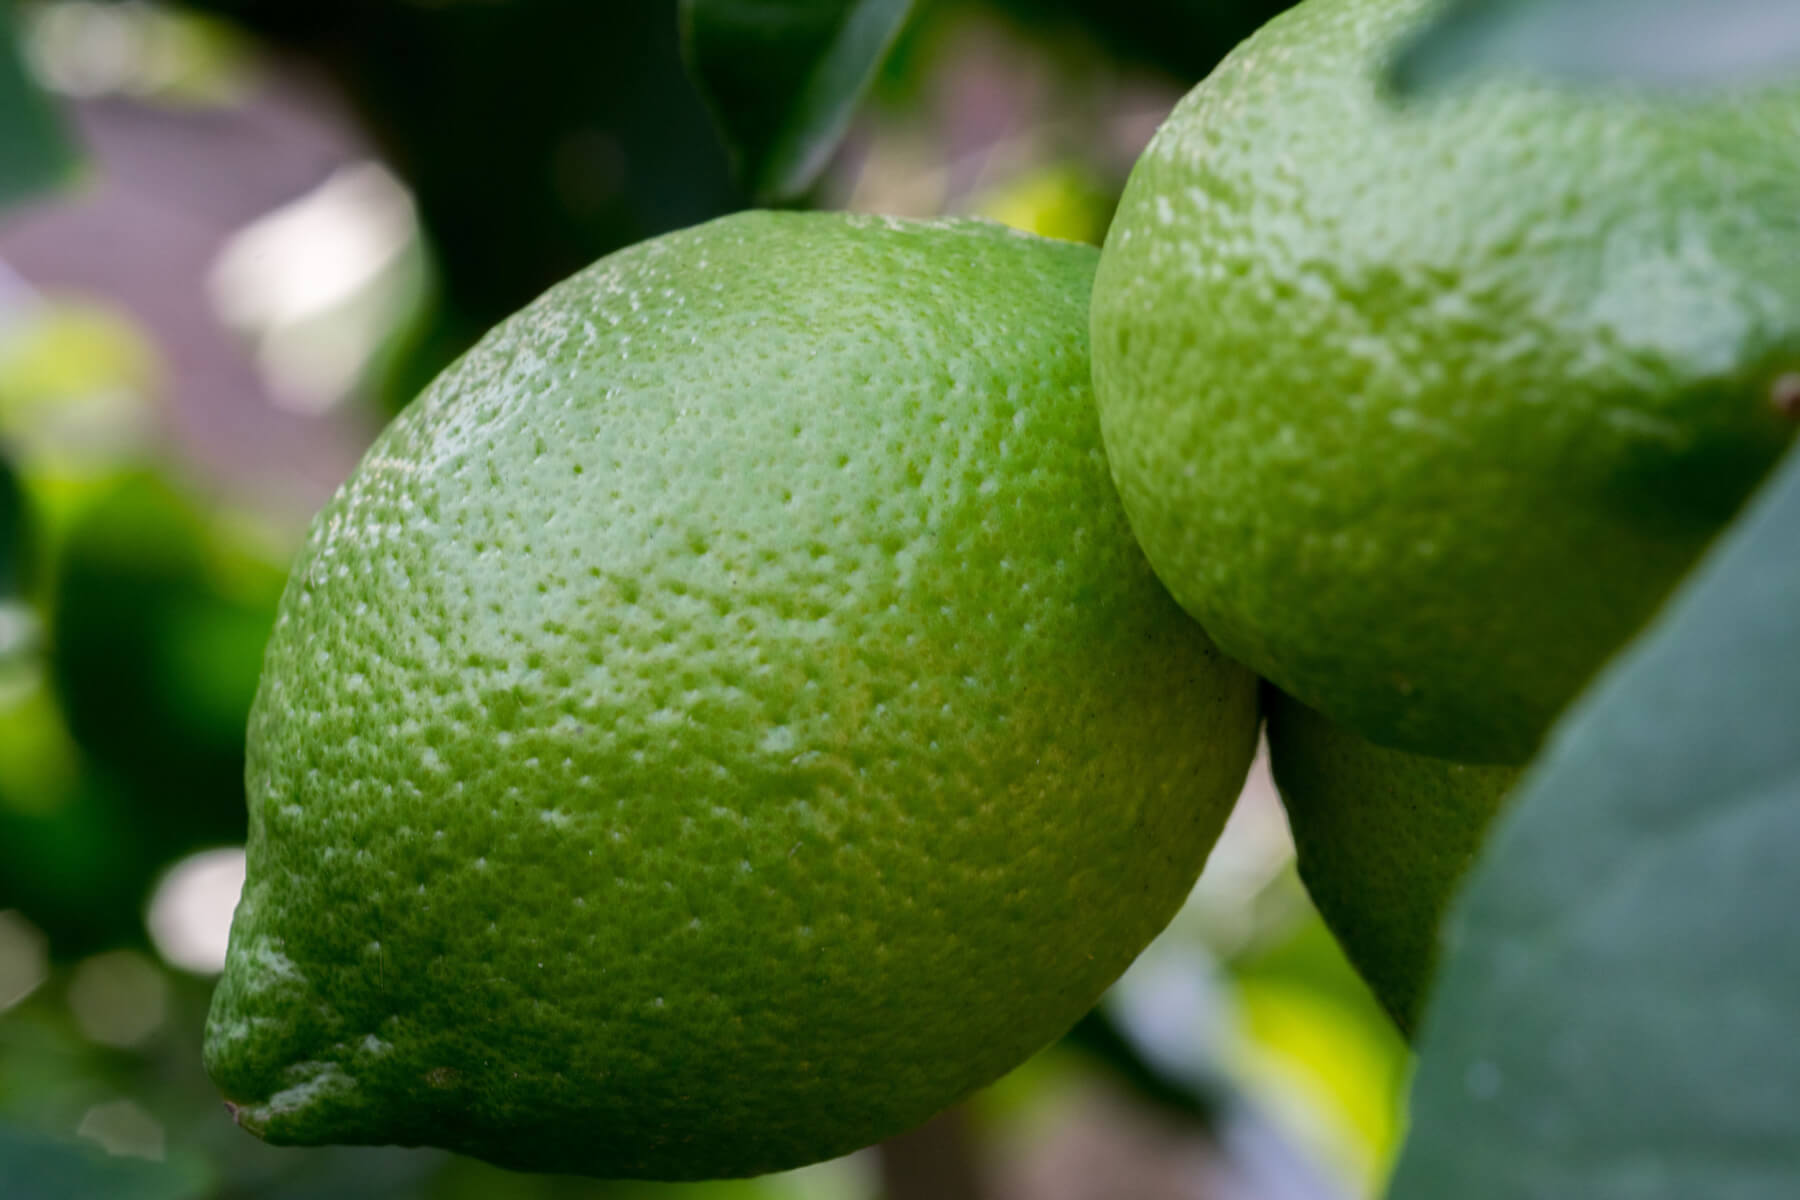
(1383, 838)
(723, 722)
(1422, 410)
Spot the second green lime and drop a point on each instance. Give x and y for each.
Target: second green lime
(1422, 410)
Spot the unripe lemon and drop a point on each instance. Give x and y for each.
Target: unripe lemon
(724, 721)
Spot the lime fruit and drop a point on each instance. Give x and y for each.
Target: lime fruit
(724, 721)
(1383, 839)
(1422, 411)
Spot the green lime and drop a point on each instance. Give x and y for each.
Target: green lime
(1383, 839)
(724, 721)
(1422, 411)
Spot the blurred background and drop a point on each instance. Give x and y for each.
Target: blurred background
(290, 215)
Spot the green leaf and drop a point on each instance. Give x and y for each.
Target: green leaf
(1670, 43)
(34, 155)
(1616, 1013)
(783, 77)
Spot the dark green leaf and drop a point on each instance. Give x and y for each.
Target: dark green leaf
(1657, 42)
(34, 155)
(1616, 1014)
(783, 76)
(15, 537)
(44, 1168)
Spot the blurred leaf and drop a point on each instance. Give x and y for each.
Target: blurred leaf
(1315, 1040)
(156, 646)
(76, 379)
(783, 77)
(1660, 42)
(1057, 201)
(1615, 1016)
(74, 861)
(44, 1168)
(1310, 958)
(1113, 1045)
(39, 765)
(1343, 1070)
(15, 539)
(1185, 38)
(535, 135)
(34, 155)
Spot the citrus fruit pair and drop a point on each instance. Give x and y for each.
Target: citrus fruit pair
(727, 719)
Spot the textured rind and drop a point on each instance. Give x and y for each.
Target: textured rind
(724, 721)
(1383, 839)
(1421, 411)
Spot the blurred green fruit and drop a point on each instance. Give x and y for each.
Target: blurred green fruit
(723, 722)
(1383, 838)
(1422, 411)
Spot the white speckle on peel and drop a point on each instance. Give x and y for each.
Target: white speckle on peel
(242, 1028)
(318, 1081)
(267, 958)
